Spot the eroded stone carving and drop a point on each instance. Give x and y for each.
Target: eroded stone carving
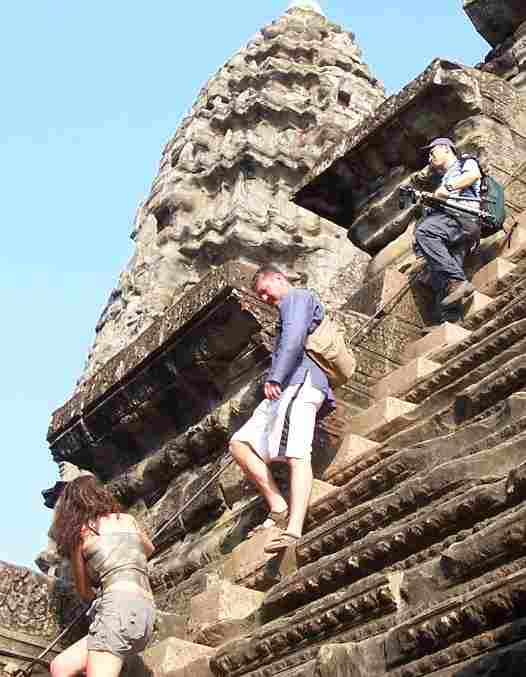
(226, 177)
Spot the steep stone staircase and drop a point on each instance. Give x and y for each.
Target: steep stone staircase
(413, 558)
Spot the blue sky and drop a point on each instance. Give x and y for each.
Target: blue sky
(90, 94)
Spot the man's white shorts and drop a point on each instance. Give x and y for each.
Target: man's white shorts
(281, 429)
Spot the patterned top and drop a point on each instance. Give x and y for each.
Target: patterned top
(454, 172)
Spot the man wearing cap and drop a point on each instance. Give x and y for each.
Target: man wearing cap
(443, 236)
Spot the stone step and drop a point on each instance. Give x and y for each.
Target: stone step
(488, 279)
(444, 336)
(511, 247)
(218, 613)
(350, 452)
(248, 564)
(168, 656)
(377, 416)
(476, 303)
(385, 287)
(404, 377)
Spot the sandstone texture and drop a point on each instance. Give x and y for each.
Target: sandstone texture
(225, 181)
(413, 559)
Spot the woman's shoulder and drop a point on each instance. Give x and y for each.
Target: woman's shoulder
(113, 522)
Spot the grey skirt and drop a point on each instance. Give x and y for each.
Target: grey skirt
(121, 623)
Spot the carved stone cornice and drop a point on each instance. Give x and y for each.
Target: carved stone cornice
(285, 644)
(462, 369)
(497, 385)
(502, 541)
(512, 312)
(512, 290)
(446, 633)
(382, 152)
(358, 522)
(381, 469)
(218, 333)
(159, 334)
(385, 547)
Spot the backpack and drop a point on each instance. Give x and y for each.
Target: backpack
(326, 346)
(492, 200)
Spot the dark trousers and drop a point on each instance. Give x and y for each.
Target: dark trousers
(440, 240)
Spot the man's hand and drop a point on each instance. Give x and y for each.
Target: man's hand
(272, 391)
(441, 193)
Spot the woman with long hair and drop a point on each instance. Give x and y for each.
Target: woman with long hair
(108, 554)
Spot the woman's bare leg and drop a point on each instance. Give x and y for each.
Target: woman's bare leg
(71, 661)
(103, 664)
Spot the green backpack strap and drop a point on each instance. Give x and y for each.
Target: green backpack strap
(492, 199)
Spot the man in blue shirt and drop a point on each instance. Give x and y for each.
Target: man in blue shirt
(281, 427)
(443, 236)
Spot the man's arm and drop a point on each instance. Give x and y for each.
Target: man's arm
(296, 316)
(465, 180)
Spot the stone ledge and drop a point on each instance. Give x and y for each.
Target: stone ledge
(495, 20)
(404, 378)
(476, 303)
(351, 450)
(379, 415)
(444, 336)
(221, 601)
(488, 280)
(168, 656)
(161, 332)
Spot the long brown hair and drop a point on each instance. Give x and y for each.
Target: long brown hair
(82, 501)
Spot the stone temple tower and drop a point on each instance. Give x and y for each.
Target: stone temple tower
(226, 178)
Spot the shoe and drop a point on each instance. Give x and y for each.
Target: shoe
(458, 290)
(281, 542)
(274, 519)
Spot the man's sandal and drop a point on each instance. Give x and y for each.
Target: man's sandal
(274, 519)
(281, 542)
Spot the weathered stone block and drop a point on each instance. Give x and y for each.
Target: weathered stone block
(171, 654)
(248, 564)
(410, 305)
(247, 561)
(395, 254)
(488, 279)
(351, 449)
(477, 302)
(379, 414)
(447, 334)
(495, 20)
(169, 625)
(319, 490)
(510, 246)
(222, 601)
(404, 378)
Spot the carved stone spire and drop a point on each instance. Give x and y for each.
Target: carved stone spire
(228, 176)
(311, 5)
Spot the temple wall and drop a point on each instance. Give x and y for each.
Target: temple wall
(226, 177)
(413, 560)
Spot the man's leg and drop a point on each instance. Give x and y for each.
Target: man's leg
(435, 235)
(439, 237)
(292, 440)
(300, 488)
(258, 472)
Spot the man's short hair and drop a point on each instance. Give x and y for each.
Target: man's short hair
(263, 271)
